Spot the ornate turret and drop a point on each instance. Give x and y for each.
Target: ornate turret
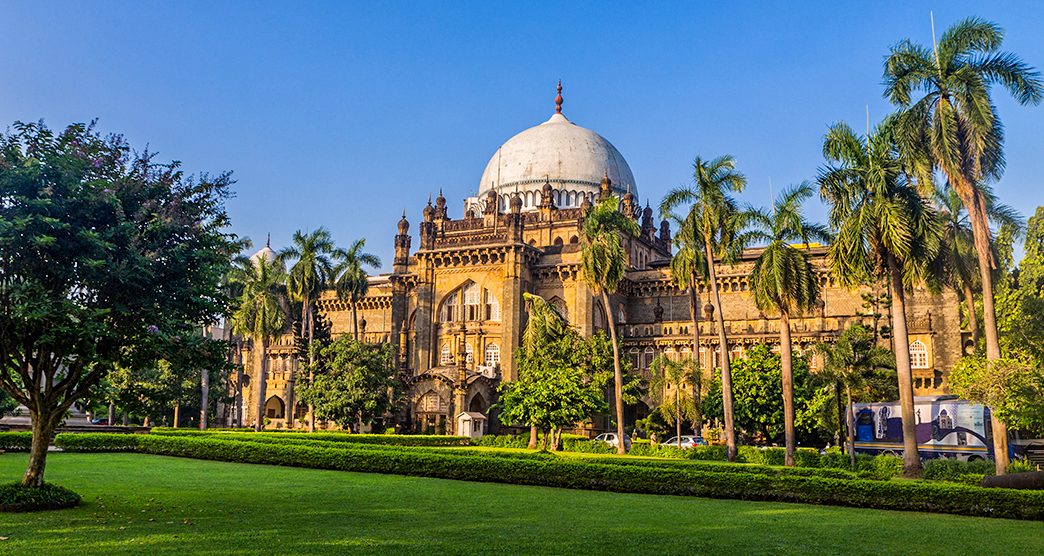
(429, 211)
(586, 205)
(440, 207)
(665, 234)
(516, 204)
(648, 228)
(492, 203)
(605, 189)
(427, 228)
(400, 264)
(627, 205)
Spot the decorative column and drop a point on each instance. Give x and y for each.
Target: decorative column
(460, 390)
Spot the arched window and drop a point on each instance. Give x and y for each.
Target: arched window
(648, 357)
(449, 308)
(558, 242)
(431, 402)
(573, 240)
(918, 355)
(599, 316)
(620, 315)
(492, 355)
(446, 356)
(635, 356)
(469, 353)
(669, 353)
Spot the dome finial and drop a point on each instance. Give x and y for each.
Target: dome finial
(558, 99)
(268, 240)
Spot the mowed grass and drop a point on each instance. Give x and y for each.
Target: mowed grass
(143, 504)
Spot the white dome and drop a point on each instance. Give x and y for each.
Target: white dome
(573, 158)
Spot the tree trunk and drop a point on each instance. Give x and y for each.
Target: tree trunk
(291, 384)
(126, 419)
(841, 415)
(532, 438)
(112, 414)
(850, 425)
(239, 386)
(311, 369)
(355, 322)
(787, 368)
(44, 424)
(621, 447)
(204, 398)
(677, 414)
(911, 456)
(726, 373)
(177, 414)
(973, 315)
(262, 379)
(694, 308)
(974, 202)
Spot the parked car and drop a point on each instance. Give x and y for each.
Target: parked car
(687, 441)
(610, 439)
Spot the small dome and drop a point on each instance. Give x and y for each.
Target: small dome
(266, 252)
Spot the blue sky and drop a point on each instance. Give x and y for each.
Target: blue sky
(342, 114)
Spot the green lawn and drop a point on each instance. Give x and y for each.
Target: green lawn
(137, 504)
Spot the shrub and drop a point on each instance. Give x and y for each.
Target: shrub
(896, 495)
(947, 469)
(96, 442)
(16, 441)
(16, 498)
(390, 439)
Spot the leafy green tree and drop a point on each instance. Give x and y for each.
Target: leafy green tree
(261, 314)
(672, 387)
(562, 376)
(1020, 293)
(305, 281)
(720, 226)
(100, 249)
(957, 122)
(861, 368)
(784, 282)
(758, 387)
(883, 227)
(1013, 388)
(351, 280)
(7, 404)
(603, 262)
(355, 383)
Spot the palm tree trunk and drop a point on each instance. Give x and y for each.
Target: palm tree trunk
(291, 384)
(976, 206)
(677, 414)
(694, 308)
(786, 365)
(112, 414)
(239, 385)
(911, 457)
(973, 315)
(262, 379)
(311, 368)
(355, 323)
(621, 447)
(850, 425)
(177, 414)
(204, 397)
(726, 373)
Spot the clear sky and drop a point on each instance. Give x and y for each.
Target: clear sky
(341, 114)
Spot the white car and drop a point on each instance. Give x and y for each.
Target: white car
(610, 439)
(687, 441)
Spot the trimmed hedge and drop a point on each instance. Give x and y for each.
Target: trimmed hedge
(16, 498)
(16, 441)
(893, 495)
(385, 439)
(97, 442)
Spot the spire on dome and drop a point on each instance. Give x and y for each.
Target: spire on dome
(558, 99)
(268, 241)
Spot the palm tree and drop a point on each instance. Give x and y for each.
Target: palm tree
(233, 282)
(544, 325)
(851, 361)
(603, 264)
(306, 280)
(671, 386)
(958, 258)
(688, 266)
(956, 120)
(784, 281)
(351, 280)
(720, 226)
(882, 226)
(261, 315)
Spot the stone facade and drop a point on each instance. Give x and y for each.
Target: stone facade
(453, 306)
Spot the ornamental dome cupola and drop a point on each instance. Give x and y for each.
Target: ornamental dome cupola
(516, 204)
(429, 211)
(404, 225)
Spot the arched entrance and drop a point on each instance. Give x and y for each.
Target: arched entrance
(275, 408)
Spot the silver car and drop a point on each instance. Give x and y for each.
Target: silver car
(687, 441)
(611, 439)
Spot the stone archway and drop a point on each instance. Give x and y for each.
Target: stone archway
(275, 408)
